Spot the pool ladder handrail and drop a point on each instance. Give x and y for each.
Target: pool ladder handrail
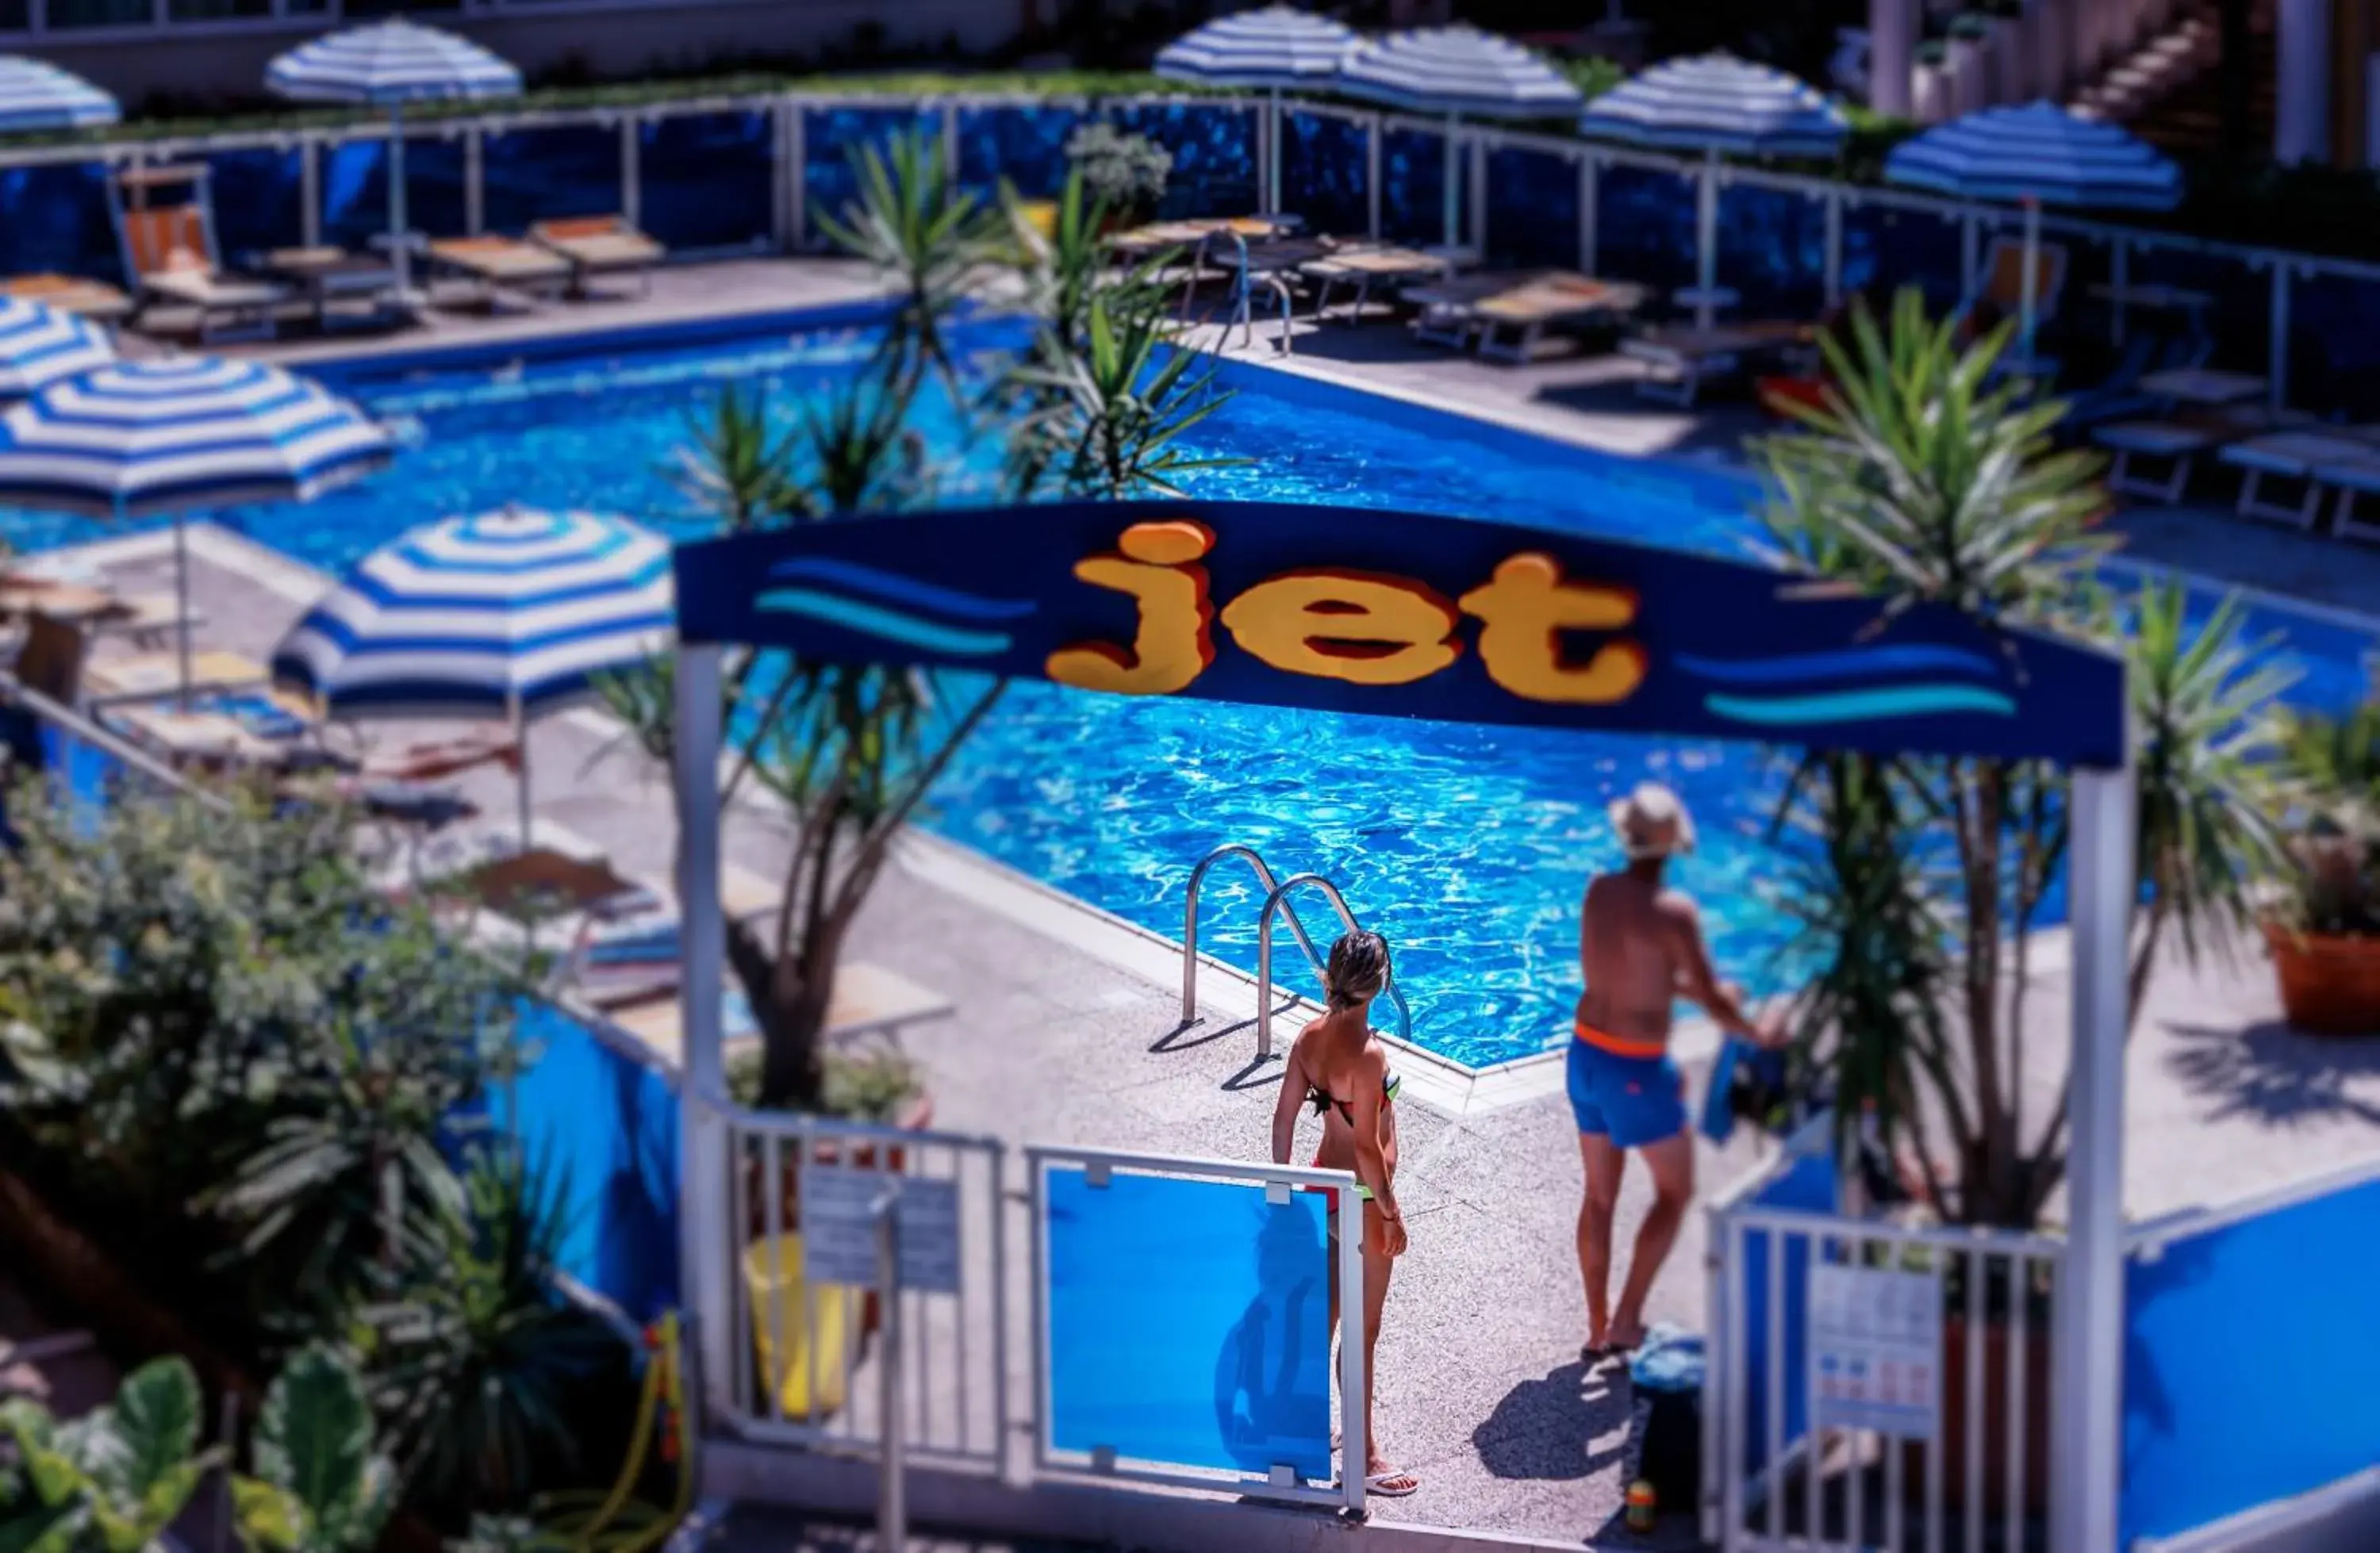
(1277, 893)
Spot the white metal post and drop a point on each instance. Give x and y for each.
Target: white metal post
(892, 1490)
(2279, 359)
(2087, 1403)
(1372, 177)
(1268, 125)
(706, 1238)
(1479, 150)
(400, 238)
(796, 179)
(1588, 237)
(1834, 244)
(475, 187)
(1707, 242)
(1356, 1447)
(310, 190)
(632, 172)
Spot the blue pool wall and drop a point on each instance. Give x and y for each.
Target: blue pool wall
(601, 1120)
(2252, 1361)
(707, 179)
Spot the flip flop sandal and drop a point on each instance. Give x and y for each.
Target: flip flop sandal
(1378, 1482)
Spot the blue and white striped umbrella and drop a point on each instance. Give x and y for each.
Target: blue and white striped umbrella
(1717, 102)
(179, 434)
(1277, 48)
(2038, 155)
(37, 95)
(1713, 103)
(507, 610)
(388, 64)
(1457, 71)
(40, 345)
(507, 613)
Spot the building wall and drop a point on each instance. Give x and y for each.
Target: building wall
(609, 38)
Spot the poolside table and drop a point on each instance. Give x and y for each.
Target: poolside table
(71, 293)
(327, 276)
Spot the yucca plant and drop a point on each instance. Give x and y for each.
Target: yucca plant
(475, 1365)
(1925, 476)
(1117, 408)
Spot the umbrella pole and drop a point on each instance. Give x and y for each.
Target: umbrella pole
(520, 757)
(1453, 178)
(1272, 156)
(1706, 241)
(400, 240)
(181, 602)
(2031, 271)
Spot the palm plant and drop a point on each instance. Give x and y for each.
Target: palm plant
(474, 1368)
(849, 752)
(1927, 477)
(2333, 766)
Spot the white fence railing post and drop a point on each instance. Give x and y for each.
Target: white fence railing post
(475, 190)
(2278, 361)
(1372, 176)
(1587, 190)
(797, 180)
(632, 175)
(310, 189)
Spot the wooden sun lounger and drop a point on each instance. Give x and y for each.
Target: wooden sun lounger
(1684, 359)
(869, 1001)
(1367, 266)
(2300, 457)
(149, 675)
(1530, 305)
(2352, 479)
(332, 279)
(598, 246)
(2177, 441)
(171, 251)
(70, 294)
(496, 265)
(229, 308)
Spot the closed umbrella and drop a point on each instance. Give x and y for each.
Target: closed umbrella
(508, 613)
(2036, 156)
(179, 435)
(1716, 104)
(388, 65)
(1275, 49)
(36, 95)
(40, 345)
(1457, 71)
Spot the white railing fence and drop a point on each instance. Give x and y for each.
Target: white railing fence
(1877, 1386)
(805, 1353)
(2253, 314)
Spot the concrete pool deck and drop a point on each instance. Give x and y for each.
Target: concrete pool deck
(1068, 1031)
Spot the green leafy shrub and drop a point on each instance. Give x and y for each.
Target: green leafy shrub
(111, 1481)
(1121, 171)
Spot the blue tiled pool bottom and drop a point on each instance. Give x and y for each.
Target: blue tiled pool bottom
(1188, 1323)
(1467, 846)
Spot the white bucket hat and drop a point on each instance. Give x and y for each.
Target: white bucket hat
(1652, 823)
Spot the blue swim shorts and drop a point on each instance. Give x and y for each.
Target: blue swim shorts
(1632, 1100)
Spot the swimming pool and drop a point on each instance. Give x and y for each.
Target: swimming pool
(1467, 846)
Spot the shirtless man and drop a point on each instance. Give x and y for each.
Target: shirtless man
(1641, 946)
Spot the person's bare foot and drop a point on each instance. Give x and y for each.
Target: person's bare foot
(1598, 1345)
(1626, 1337)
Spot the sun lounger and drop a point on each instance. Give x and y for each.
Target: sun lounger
(2353, 480)
(169, 249)
(196, 737)
(2299, 456)
(2119, 395)
(70, 294)
(1684, 359)
(2002, 282)
(2177, 443)
(869, 1001)
(493, 266)
(1531, 312)
(146, 675)
(147, 620)
(1363, 267)
(599, 246)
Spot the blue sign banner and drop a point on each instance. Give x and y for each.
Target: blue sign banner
(1401, 614)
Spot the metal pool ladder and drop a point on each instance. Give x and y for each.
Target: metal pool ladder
(1277, 893)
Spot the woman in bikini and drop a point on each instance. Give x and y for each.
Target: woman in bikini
(1341, 1067)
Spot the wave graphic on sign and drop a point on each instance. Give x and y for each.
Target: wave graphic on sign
(888, 625)
(1805, 688)
(904, 591)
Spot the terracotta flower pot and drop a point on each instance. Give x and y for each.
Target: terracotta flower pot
(2330, 983)
(1956, 1385)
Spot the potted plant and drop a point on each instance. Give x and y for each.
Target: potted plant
(1918, 882)
(1124, 174)
(2322, 926)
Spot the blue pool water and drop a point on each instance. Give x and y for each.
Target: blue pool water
(1468, 846)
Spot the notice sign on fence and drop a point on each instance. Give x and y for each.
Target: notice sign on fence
(1876, 1351)
(839, 1228)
